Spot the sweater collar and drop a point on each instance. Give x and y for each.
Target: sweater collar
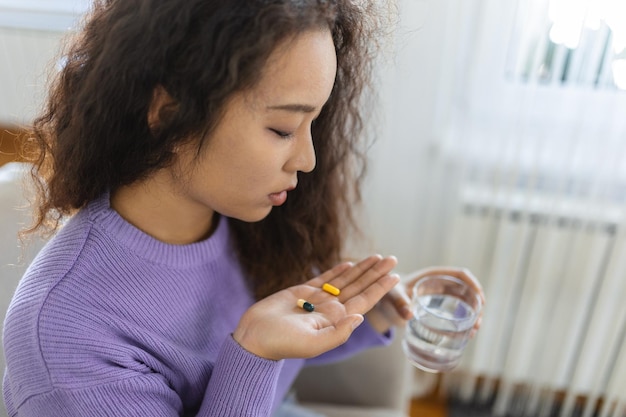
(109, 221)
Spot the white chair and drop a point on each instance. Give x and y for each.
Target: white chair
(376, 383)
(14, 259)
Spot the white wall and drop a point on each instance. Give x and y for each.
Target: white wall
(30, 35)
(27, 56)
(396, 196)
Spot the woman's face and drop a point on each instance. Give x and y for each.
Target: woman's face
(263, 140)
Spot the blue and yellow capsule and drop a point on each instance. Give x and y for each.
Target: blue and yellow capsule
(305, 305)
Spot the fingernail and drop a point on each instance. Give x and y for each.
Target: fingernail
(357, 322)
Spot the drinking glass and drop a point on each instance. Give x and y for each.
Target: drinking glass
(445, 310)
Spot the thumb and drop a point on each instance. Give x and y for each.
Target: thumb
(337, 335)
(352, 321)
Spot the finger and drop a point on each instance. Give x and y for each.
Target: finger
(355, 272)
(467, 276)
(330, 337)
(390, 313)
(332, 273)
(475, 283)
(365, 278)
(400, 301)
(476, 327)
(363, 302)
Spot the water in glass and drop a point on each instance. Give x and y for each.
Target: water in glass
(438, 332)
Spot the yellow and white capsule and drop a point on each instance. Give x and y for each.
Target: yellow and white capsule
(331, 289)
(305, 305)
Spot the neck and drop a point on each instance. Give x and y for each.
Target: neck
(157, 207)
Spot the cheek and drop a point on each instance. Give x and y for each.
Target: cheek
(244, 161)
(254, 166)
(255, 177)
(244, 173)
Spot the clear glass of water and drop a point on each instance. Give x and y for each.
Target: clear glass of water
(445, 310)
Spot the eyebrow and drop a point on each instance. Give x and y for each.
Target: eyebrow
(295, 108)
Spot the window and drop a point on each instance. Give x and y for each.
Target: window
(538, 98)
(571, 42)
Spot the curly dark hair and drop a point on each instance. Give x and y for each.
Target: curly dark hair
(93, 135)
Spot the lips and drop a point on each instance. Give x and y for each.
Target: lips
(278, 199)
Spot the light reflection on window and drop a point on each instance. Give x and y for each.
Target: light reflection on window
(574, 42)
(569, 17)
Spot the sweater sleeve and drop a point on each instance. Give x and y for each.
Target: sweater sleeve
(241, 385)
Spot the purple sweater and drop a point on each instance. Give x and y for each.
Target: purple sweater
(108, 321)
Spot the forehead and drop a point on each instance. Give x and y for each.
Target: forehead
(300, 69)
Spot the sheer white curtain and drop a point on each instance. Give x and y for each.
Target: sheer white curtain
(504, 150)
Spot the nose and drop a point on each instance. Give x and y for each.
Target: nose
(303, 158)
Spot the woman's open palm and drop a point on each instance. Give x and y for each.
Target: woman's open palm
(277, 328)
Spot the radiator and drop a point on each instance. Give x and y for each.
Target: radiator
(553, 337)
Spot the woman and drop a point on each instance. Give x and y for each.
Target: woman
(205, 153)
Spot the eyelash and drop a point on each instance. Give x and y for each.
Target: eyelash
(281, 134)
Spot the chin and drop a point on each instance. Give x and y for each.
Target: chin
(252, 217)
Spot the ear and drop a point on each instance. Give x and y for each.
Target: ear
(162, 107)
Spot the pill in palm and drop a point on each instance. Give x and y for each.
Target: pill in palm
(331, 289)
(305, 305)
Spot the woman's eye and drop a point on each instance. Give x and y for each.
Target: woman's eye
(282, 134)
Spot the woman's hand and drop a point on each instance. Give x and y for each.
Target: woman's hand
(394, 309)
(276, 328)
